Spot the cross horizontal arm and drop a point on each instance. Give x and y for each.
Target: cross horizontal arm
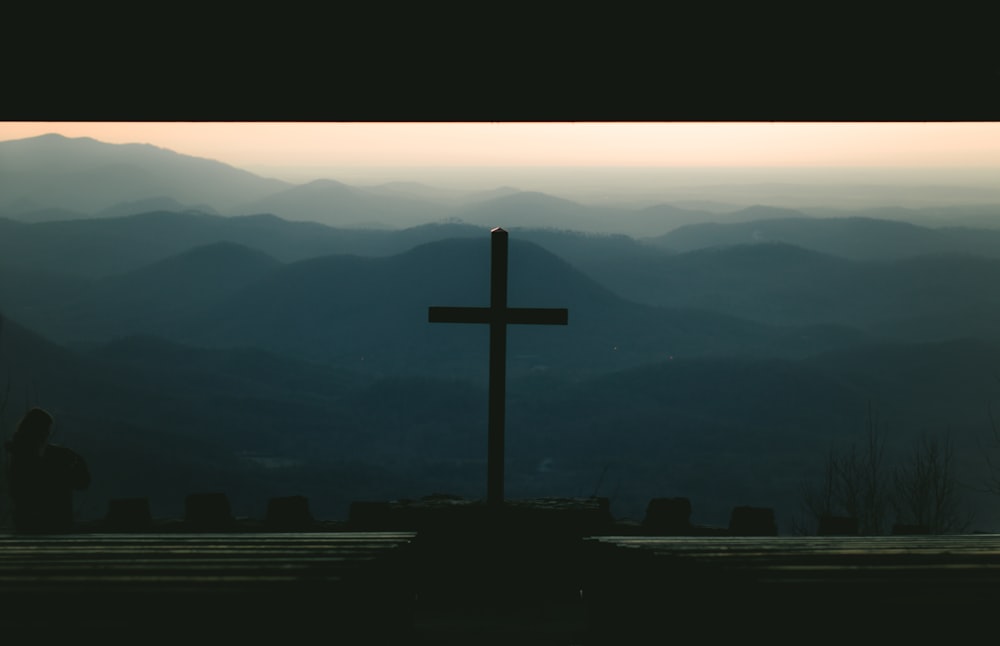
(512, 315)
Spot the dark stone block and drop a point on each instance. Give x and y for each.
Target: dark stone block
(372, 515)
(837, 526)
(752, 521)
(129, 514)
(668, 516)
(289, 513)
(208, 511)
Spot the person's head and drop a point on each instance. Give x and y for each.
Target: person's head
(32, 431)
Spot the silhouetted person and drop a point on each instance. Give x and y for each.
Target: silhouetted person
(42, 476)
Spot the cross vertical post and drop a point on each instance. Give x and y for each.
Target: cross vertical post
(498, 367)
(498, 316)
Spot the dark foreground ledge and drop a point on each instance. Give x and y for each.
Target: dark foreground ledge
(451, 572)
(886, 589)
(208, 585)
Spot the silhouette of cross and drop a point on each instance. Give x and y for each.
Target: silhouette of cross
(498, 316)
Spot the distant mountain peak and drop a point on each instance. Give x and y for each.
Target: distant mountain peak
(325, 183)
(53, 136)
(87, 176)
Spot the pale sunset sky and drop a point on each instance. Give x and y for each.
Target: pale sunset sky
(298, 151)
(546, 144)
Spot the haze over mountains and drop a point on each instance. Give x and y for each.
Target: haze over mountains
(198, 327)
(53, 177)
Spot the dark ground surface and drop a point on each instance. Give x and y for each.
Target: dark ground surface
(543, 573)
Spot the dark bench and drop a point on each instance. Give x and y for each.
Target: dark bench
(232, 584)
(792, 589)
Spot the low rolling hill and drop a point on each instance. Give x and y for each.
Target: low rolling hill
(370, 313)
(922, 298)
(854, 238)
(161, 419)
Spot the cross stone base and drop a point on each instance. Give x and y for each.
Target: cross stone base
(562, 517)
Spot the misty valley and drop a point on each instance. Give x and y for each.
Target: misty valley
(196, 328)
